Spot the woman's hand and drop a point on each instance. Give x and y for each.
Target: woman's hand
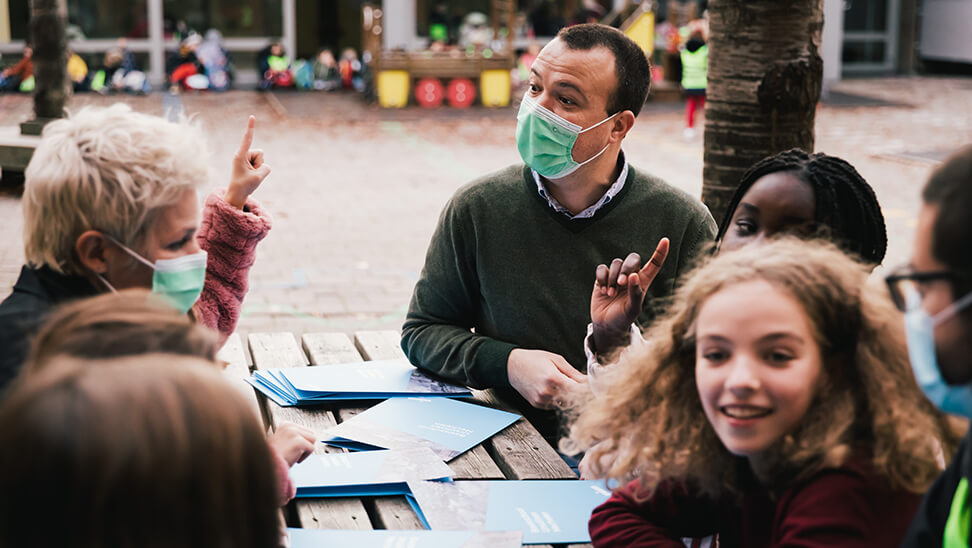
(249, 170)
(293, 443)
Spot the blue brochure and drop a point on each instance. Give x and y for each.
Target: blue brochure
(349, 381)
(368, 473)
(546, 511)
(309, 538)
(447, 427)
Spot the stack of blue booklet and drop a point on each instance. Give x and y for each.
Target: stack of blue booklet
(305, 538)
(368, 473)
(546, 511)
(447, 427)
(349, 381)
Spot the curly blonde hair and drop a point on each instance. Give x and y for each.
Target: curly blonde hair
(652, 422)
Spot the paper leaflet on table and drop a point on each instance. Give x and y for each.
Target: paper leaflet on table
(546, 511)
(307, 538)
(350, 381)
(368, 473)
(447, 427)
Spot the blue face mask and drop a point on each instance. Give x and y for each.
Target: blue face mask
(920, 331)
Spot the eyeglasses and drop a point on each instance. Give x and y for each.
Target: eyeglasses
(906, 285)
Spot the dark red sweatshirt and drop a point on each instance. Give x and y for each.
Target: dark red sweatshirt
(847, 507)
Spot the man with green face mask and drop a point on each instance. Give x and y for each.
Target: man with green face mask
(504, 298)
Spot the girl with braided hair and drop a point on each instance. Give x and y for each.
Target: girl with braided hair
(807, 194)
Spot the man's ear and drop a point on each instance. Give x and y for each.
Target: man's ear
(90, 247)
(622, 124)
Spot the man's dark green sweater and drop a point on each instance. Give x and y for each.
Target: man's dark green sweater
(503, 263)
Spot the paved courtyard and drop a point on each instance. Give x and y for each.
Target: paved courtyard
(356, 191)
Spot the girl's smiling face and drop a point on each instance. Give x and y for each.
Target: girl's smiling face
(757, 365)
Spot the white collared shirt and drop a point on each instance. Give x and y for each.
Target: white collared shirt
(590, 211)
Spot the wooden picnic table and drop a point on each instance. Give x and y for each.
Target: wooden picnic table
(519, 452)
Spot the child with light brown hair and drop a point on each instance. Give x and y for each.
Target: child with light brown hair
(134, 322)
(773, 406)
(149, 451)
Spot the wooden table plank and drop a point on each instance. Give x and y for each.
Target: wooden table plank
(273, 350)
(386, 345)
(394, 513)
(237, 368)
(330, 348)
(379, 345)
(520, 451)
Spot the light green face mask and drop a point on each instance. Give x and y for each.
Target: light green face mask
(546, 141)
(179, 280)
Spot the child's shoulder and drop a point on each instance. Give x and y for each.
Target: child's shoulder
(851, 497)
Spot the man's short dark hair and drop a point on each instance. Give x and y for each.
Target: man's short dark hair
(950, 188)
(630, 64)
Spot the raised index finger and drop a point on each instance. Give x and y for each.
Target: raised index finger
(247, 137)
(651, 268)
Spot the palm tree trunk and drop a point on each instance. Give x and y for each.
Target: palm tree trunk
(51, 88)
(763, 86)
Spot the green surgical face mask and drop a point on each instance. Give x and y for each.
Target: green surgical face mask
(546, 141)
(179, 280)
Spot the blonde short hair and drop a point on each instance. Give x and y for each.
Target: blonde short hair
(107, 169)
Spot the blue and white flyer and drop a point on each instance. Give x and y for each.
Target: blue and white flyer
(448, 427)
(367, 473)
(350, 381)
(546, 511)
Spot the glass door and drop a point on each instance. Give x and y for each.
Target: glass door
(870, 36)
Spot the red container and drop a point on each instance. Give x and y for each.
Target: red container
(461, 93)
(429, 92)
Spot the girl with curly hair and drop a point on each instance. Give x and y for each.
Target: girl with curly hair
(773, 406)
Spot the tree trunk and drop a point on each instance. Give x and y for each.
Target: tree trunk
(51, 87)
(763, 86)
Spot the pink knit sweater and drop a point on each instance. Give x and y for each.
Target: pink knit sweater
(230, 236)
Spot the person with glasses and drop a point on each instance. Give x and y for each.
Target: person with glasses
(935, 292)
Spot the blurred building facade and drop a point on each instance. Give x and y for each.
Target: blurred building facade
(860, 36)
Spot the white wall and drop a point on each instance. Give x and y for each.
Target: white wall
(399, 21)
(945, 30)
(831, 42)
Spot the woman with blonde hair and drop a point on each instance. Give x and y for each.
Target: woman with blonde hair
(110, 202)
(150, 451)
(773, 406)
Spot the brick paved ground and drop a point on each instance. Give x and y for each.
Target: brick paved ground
(356, 191)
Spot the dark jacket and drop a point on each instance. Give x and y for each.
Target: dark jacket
(36, 292)
(944, 515)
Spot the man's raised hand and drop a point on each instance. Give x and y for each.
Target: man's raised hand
(619, 294)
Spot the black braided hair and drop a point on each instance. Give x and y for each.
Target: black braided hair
(845, 205)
